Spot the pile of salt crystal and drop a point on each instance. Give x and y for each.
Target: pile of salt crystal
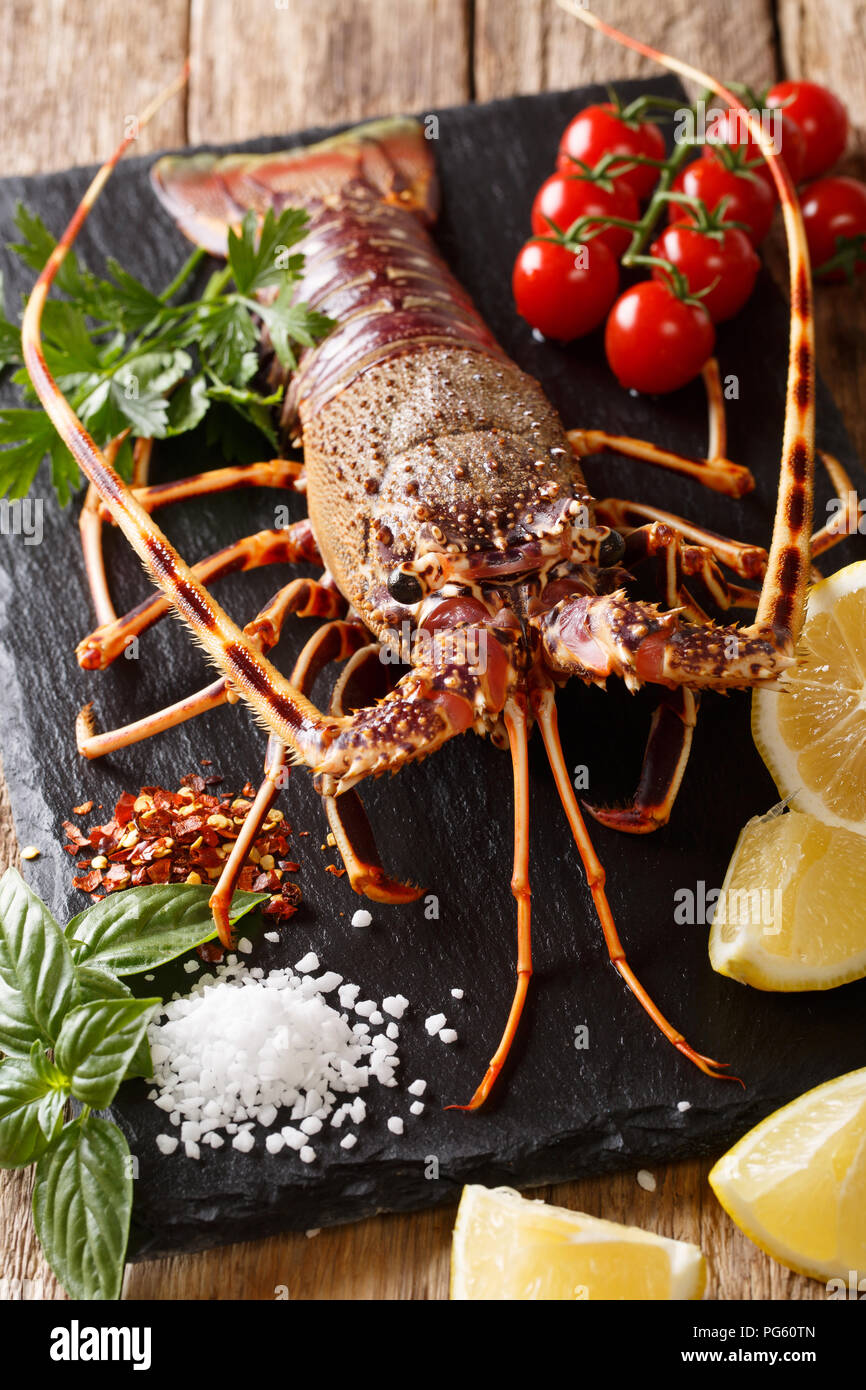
(244, 1044)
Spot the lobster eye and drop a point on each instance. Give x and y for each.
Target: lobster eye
(611, 550)
(405, 587)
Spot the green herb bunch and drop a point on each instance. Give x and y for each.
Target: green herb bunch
(72, 1030)
(157, 364)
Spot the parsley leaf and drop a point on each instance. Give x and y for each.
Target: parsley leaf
(126, 357)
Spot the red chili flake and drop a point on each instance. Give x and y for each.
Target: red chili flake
(190, 826)
(193, 781)
(213, 781)
(117, 875)
(211, 951)
(279, 908)
(206, 762)
(332, 869)
(89, 881)
(83, 809)
(173, 838)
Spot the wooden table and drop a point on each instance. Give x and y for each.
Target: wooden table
(72, 70)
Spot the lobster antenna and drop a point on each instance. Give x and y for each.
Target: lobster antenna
(783, 595)
(283, 709)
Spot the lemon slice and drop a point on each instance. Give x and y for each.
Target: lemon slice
(790, 914)
(796, 1184)
(508, 1247)
(811, 731)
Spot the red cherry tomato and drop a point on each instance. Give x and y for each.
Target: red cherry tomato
(599, 130)
(750, 200)
(562, 292)
(834, 207)
(703, 258)
(564, 197)
(822, 119)
(731, 129)
(656, 342)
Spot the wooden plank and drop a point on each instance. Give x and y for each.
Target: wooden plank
(532, 45)
(823, 41)
(72, 72)
(289, 64)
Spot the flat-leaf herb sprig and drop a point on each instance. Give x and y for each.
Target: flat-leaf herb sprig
(156, 363)
(72, 1030)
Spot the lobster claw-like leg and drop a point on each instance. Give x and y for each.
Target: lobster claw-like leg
(364, 679)
(667, 753)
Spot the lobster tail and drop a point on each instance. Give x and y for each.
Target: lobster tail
(388, 160)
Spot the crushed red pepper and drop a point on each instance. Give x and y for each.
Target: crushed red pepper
(185, 836)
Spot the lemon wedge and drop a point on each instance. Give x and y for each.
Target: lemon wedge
(811, 731)
(509, 1247)
(796, 1183)
(790, 914)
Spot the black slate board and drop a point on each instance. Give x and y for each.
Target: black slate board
(560, 1112)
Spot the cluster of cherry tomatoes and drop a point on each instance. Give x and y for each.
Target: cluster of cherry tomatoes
(660, 332)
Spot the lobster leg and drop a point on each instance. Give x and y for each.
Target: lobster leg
(675, 559)
(293, 545)
(95, 745)
(847, 521)
(303, 597)
(545, 713)
(715, 471)
(360, 683)
(275, 473)
(667, 753)
(221, 898)
(674, 719)
(748, 561)
(90, 526)
(333, 642)
(517, 725)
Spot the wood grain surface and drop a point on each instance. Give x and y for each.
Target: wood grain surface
(261, 66)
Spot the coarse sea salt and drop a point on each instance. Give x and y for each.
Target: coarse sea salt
(242, 1045)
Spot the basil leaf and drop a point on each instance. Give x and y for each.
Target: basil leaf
(31, 1112)
(94, 984)
(81, 1207)
(141, 928)
(37, 976)
(96, 1044)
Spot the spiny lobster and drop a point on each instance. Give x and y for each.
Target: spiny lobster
(444, 491)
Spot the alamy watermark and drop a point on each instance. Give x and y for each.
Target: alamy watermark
(23, 516)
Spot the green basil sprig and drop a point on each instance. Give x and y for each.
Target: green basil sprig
(73, 1030)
